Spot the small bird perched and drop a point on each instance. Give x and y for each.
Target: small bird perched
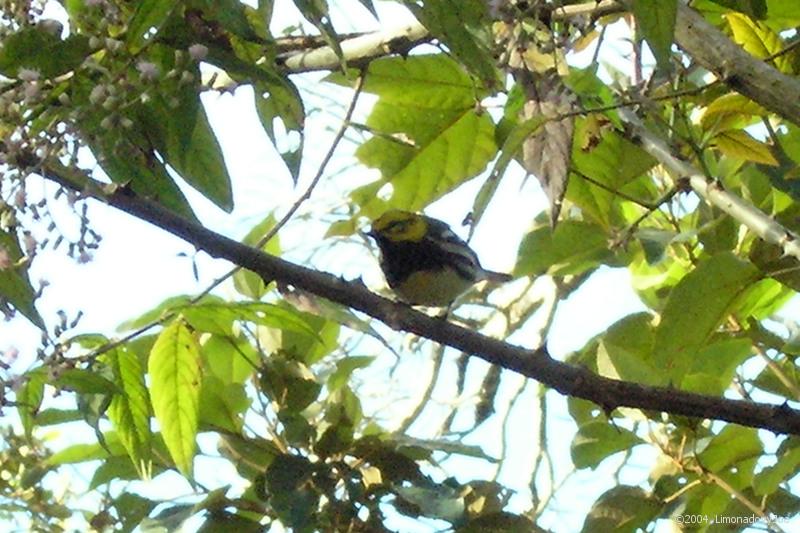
(424, 262)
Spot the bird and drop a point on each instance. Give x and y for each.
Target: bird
(424, 262)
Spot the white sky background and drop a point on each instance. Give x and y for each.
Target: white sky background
(138, 266)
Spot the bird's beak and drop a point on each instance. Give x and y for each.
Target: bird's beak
(370, 234)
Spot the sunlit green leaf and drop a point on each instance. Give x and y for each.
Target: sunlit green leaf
(130, 407)
(759, 40)
(695, 307)
(738, 143)
(230, 358)
(614, 163)
(428, 137)
(715, 365)
(625, 351)
(174, 369)
(732, 445)
(461, 25)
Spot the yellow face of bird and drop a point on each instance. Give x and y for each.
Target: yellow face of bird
(398, 226)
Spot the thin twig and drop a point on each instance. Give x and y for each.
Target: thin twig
(261, 242)
(438, 357)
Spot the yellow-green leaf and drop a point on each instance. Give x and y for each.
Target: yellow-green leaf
(130, 409)
(730, 111)
(695, 307)
(759, 40)
(174, 368)
(739, 144)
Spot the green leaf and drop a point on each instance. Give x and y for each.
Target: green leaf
(217, 316)
(170, 519)
(316, 12)
(279, 104)
(442, 502)
(424, 172)
(597, 440)
(344, 368)
(230, 358)
(132, 509)
(129, 411)
(655, 19)
(249, 283)
(143, 173)
(113, 469)
(759, 40)
(428, 136)
(653, 282)
(251, 456)
(85, 382)
(715, 366)
(763, 299)
(222, 405)
(287, 482)
(739, 144)
(29, 397)
(148, 18)
(730, 111)
(336, 439)
(80, 453)
(732, 445)
(15, 286)
(177, 126)
(573, 248)
(310, 348)
(174, 369)
(612, 161)
(622, 508)
(35, 48)
(289, 383)
(756, 9)
(625, 351)
(462, 26)
(52, 417)
(786, 467)
(695, 307)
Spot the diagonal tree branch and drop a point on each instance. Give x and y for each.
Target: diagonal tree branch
(357, 50)
(742, 72)
(536, 364)
(711, 190)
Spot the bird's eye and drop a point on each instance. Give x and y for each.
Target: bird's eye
(398, 227)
